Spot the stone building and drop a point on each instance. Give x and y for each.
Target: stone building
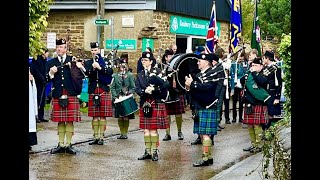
(137, 24)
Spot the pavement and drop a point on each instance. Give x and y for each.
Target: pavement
(249, 168)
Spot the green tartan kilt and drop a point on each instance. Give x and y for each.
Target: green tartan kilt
(208, 122)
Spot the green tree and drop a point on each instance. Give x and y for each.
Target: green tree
(247, 7)
(38, 13)
(275, 17)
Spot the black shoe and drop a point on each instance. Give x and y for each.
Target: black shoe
(218, 128)
(180, 136)
(197, 141)
(44, 120)
(228, 121)
(70, 150)
(155, 156)
(201, 163)
(167, 137)
(234, 120)
(146, 155)
(248, 148)
(38, 121)
(221, 127)
(255, 150)
(95, 141)
(122, 137)
(240, 120)
(100, 142)
(58, 149)
(210, 161)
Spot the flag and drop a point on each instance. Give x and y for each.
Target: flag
(212, 31)
(255, 38)
(236, 24)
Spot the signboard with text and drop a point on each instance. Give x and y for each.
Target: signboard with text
(147, 42)
(190, 26)
(102, 22)
(51, 40)
(124, 44)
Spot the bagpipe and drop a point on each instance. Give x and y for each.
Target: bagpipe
(257, 92)
(111, 59)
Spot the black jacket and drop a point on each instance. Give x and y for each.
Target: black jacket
(202, 93)
(103, 77)
(143, 81)
(63, 78)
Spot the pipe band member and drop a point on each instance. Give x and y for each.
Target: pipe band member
(100, 101)
(66, 78)
(204, 105)
(123, 84)
(152, 89)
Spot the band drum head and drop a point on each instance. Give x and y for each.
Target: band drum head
(184, 64)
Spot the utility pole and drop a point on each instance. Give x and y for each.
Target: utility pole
(100, 29)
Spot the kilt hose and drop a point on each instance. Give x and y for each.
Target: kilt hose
(159, 119)
(208, 122)
(69, 114)
(259, 115)
(176, 107)
(105, 108)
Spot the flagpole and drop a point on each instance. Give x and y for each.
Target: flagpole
(215, 17)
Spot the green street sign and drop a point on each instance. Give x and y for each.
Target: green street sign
(147, 42)
(102, 22)
(124, 44)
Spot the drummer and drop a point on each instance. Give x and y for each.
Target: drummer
(122, 85)
(100, 103)
(152, 90)
(175, 100)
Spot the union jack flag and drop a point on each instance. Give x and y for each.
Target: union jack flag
(212, 37)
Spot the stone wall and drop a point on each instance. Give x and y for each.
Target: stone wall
(147, 23)
(224, 36)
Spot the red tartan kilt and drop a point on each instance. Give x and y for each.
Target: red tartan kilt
(69, 114)
(105, 108)
(159, 119)
(176, 107)
(259, 115)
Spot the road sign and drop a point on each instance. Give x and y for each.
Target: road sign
(102, 22)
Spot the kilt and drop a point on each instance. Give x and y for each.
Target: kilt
(105, 108)
(116, 114)
(69, 114)
(176, 107)
(259, 115)
(159, 119)
(208, 122)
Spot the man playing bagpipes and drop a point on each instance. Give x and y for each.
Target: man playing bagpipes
(273, 73)
(100, 102)
(66, 78)
(256, 99)
(152, 89)
(123, 84)
(204, 104)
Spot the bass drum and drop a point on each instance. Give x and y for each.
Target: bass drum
(183, 64)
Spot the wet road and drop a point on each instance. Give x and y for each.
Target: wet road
(117, 159)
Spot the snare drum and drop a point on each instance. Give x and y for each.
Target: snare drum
(126, 105)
